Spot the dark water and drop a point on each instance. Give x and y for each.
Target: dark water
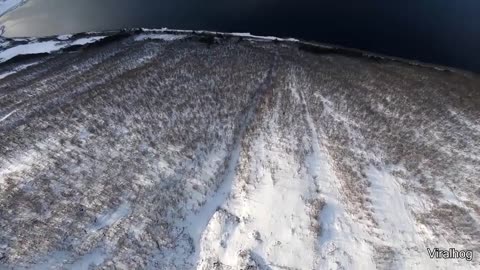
(438, 31)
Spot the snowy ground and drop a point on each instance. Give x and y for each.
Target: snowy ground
(164, 150)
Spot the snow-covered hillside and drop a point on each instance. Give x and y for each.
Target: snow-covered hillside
(181, 150)
(9, 5)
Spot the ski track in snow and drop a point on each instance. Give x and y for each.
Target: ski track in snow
(17, 69)
(395, 220)
(339, 233)
(197, 223)
(7, 115)
(112, 217)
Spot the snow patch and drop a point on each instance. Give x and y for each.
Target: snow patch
(31, 48)
(64, 37)
(164, 37)
(95, 258)
(87, 40)
(112, 217)
(36, 47)
(54, 260)
(272, 38)
(13, 167)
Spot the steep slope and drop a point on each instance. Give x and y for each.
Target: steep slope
(162, 150)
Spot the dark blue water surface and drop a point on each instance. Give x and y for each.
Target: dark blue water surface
(438, 31)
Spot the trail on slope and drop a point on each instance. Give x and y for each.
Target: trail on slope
(197, 222)
(270, 219)
(342, 240)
